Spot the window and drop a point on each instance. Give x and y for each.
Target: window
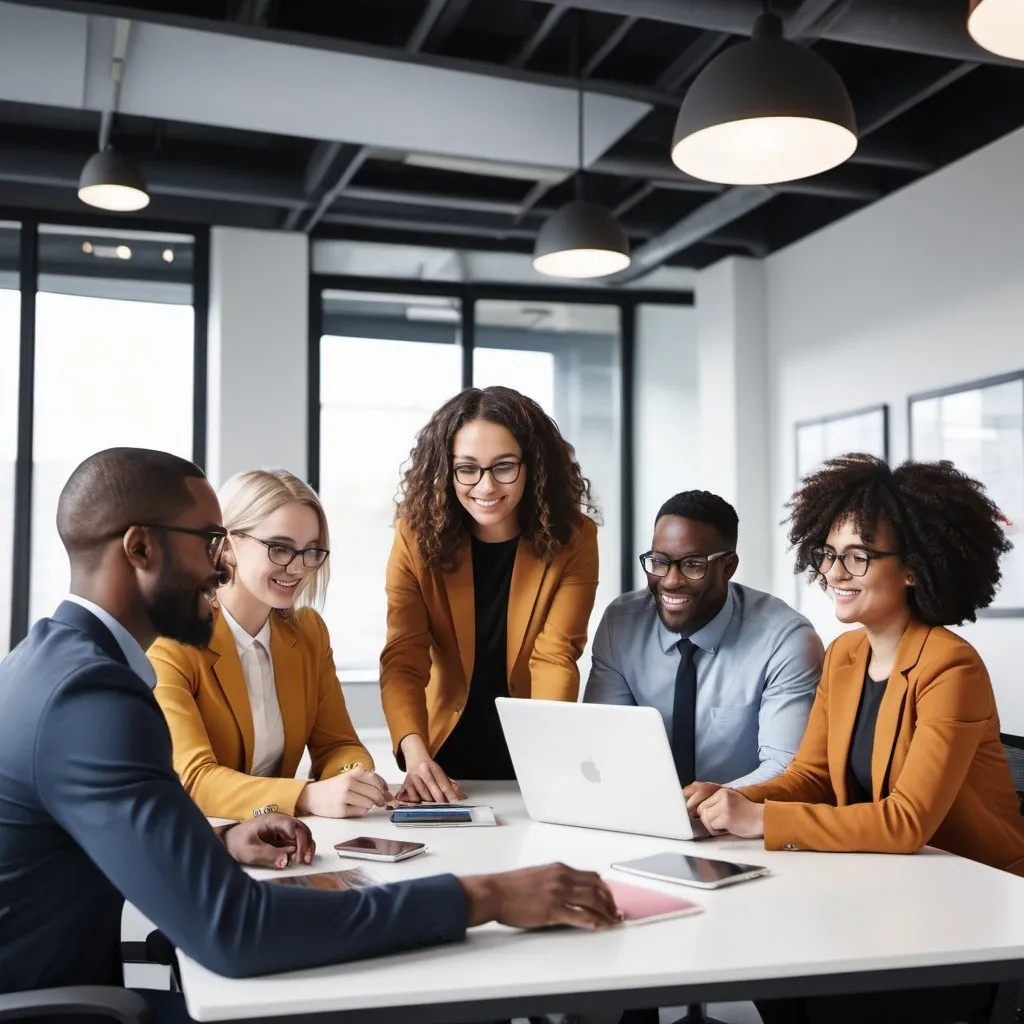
(386, 363)
(10, 338)
(114, 351)
(567, 358)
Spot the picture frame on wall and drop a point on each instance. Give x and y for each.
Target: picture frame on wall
(979, 427)
(825, 437)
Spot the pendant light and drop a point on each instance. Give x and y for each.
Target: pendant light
(581, 239)
(998, 26)
(110, 181)
(764, 111)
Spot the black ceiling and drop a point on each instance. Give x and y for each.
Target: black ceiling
(923, 92)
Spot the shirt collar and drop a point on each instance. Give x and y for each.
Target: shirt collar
(242, 638)
(130, 647)
(709, 636)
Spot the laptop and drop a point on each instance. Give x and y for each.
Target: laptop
(597, 766)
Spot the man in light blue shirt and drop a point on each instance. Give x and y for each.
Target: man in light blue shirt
(757, 661)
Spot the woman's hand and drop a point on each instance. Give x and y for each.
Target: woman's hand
(344, 796)
(425, 780)
(727, 811)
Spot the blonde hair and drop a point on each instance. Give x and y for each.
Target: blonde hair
(249, 497)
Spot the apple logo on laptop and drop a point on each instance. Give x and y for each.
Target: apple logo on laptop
(590, 771)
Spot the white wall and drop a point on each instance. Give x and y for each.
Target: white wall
(258, 351)
(665, 423)
(921, 290)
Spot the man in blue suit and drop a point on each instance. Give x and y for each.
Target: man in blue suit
(91, 811)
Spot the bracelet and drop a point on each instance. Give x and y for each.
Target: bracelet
(350, 766)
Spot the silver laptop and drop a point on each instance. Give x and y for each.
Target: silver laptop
(596, 765)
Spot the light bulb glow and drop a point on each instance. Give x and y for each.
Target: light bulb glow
(119, 198)
(123, 252)
(581, 263)
(998, 26)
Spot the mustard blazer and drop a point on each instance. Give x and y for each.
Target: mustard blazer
(204, 698)
(427, 662)
(938, 769)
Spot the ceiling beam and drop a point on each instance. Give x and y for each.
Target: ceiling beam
(877, 111)
(428, 19)
(691, 60)
(543, 30)
(443, 24)
(608, 47)
(344, 179)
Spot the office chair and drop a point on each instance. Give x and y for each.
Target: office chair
(107, 1001)
(1013, 747)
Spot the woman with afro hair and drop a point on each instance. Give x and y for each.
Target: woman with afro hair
(902, 747)
(490, 585)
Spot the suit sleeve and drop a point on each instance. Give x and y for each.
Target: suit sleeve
(607, 683)
(405, 660)
(793, 673)
(807, 777)
(554, 672)
(103, 770)
(333, 741)
(220, 792)
(954, 708)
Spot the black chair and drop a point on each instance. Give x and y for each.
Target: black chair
(109, 1001)
(1013, 747)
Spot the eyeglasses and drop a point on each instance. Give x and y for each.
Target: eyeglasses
(285, 554)
(214, 536)
(693, 567)
(501, 473)
(855, 561)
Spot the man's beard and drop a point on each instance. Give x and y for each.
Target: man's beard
(174, 611)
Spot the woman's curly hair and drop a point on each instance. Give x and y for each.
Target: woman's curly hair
(948, 532)
(556, 489)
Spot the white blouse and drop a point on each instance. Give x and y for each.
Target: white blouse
(258, 671)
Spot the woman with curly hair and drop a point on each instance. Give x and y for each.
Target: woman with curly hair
(490, 585)
(902, 747)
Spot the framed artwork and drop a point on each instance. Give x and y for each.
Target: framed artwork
(861, 430)
(980, 427)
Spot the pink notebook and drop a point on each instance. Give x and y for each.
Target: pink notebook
(640, 905)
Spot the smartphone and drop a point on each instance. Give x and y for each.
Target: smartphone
(432, 816)
(369, 848)
(699, 871)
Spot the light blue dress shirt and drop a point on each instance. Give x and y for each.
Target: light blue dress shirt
(130, 647)
(758, 666)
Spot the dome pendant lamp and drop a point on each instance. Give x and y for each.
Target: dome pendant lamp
(998, 26)
(111, 181)
(764, 111)
(581, 239)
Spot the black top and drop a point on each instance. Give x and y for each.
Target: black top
(864, 740)
(476, 747)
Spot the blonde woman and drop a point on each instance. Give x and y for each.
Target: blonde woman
(242, 709)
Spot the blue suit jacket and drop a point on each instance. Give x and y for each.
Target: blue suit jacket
(91, 812)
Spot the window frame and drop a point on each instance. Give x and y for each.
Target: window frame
(21, 555)
(468, 295)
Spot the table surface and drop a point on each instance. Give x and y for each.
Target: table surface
(815, 915)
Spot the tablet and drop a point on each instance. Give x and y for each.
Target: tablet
(686, 870)
(435, 816)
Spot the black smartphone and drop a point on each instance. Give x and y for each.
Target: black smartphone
(371, 848)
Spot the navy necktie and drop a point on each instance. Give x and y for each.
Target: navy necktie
(684, 714)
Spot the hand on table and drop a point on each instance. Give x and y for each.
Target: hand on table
(425, 780)
(349, 795)
(696, 793)
(727, 811)
(540, 897)
(270, 841)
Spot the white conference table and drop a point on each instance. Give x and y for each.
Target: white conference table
(818, 924)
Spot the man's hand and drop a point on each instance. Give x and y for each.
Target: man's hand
(540, 897)
(696, 793)
(344, 796)
(727, 811)
(270, 841)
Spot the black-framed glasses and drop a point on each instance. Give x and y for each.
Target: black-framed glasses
(856, 561)
(693, 567)
(469, 474)
(214, 535)
(285, 554)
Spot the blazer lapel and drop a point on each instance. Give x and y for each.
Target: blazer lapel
(459, 585)
(288, 682)
(844, 692)
(890, 711)
(228, 669)
(527, 576)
